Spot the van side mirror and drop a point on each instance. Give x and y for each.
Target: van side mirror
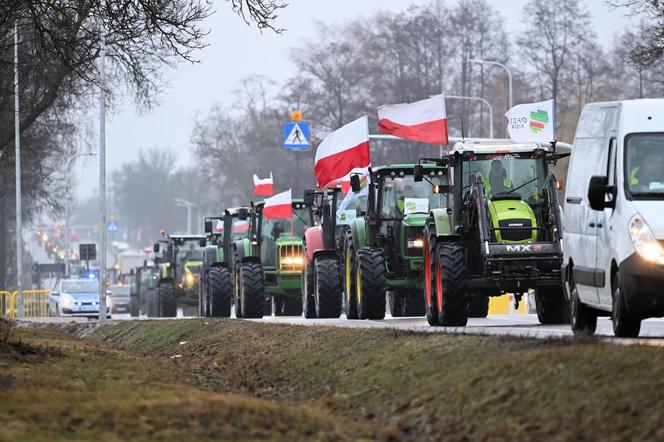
(155, 248)
(418, 173)
(243, 213)
(597, 191)
(308, 197)
(208, 226)
(355, 183)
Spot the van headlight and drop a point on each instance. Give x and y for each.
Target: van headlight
(66, 300)
(644, 240)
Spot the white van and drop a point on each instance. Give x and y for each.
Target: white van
(614, 216)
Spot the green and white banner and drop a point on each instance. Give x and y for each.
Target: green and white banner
(532, 122)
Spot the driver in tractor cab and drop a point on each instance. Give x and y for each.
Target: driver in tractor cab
(403, 191)
(651, 169)
(277, 230)
(497, 181)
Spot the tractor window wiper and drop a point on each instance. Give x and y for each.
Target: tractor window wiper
(521, 186)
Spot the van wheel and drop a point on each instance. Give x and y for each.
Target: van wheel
(625, 325)
(582, 317)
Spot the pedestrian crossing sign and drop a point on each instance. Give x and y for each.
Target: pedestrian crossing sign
(297, 135)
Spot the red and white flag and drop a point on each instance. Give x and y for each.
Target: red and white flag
(342, 151)
(424, 121)
(264, 187)
(344, 182)
(279, 206)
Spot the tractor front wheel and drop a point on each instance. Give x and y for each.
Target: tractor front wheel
(430, 298)
(451, 290)
(327, 288)
(167, 300)
(370, 284)
(551, 304)
(251, 290)
(308, 301)
(479, 305)
(220, 292)
(350, 277)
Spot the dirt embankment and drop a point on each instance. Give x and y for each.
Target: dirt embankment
(227, 379)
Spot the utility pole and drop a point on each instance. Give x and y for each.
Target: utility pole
(19, 208)
(102, 178)
(509, 77)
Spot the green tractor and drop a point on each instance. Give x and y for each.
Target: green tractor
(502, 235)
(322, 285)
(179, 272)
(216, 288)
(269, 264)
(142, 292)
(383, 249)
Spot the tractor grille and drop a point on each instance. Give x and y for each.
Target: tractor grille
(291, 258)
(412, 235)
(518, 229)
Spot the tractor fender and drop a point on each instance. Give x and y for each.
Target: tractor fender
(313, 237)
(443, 222)
(163, 280)
(255, 259)
(242, 248)
(326, 254)
(219, 264)
(359, 232)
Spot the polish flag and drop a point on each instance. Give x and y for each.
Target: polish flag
(264, 187)
(279, 206)
(424, 121)
(342, 151)
(219, 227)
(344, 182)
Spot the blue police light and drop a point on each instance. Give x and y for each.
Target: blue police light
(91, 276)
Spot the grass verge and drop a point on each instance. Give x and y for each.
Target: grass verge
(419, 387)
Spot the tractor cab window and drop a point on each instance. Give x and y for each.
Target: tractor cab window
(401, 195)
(189, 251)
(506, 174)
(240, 229)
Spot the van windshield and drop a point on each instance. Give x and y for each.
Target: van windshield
(645, 164)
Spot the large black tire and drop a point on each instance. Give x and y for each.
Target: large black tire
(625, 324)
(552, 306)
(308, 300)
(134, 307)
(414, 303)
(451, 280)
(395, 303)
(167, 300)
(370, 284)
(292, 306)
(478, 306)
(327, 288)
(151, 303)
(251, 289)
(350, 277)
(430, 295)
(204, 296)
(582, 317)
(220, 290)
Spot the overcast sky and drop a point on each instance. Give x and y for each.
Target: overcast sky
(236, 51)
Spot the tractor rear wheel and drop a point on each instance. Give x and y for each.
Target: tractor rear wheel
(251, 290)
(220, 292)
(151, 303)
(167, 300)
(414, 303)
(292, 306)
(350, 277)
(430, 298)
(327, 288)
(308, 301)
(478, 306)
(551, 304)
(451, 290)
(370, 284)
(396, 304)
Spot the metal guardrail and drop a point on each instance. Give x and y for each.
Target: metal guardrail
(35, 303)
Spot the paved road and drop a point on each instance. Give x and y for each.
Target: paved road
(652, 330)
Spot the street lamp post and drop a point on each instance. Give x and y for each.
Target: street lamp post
(509, 75)
(188, 205)
(70, 160)
(102, 179)
(481, 100)
(19, 209)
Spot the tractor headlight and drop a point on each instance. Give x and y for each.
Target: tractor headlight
(292, 261)
(415, 244)
(189, 279)
(644, 240)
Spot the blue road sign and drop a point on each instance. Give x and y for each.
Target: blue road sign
(112, 226)
(297, 135)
